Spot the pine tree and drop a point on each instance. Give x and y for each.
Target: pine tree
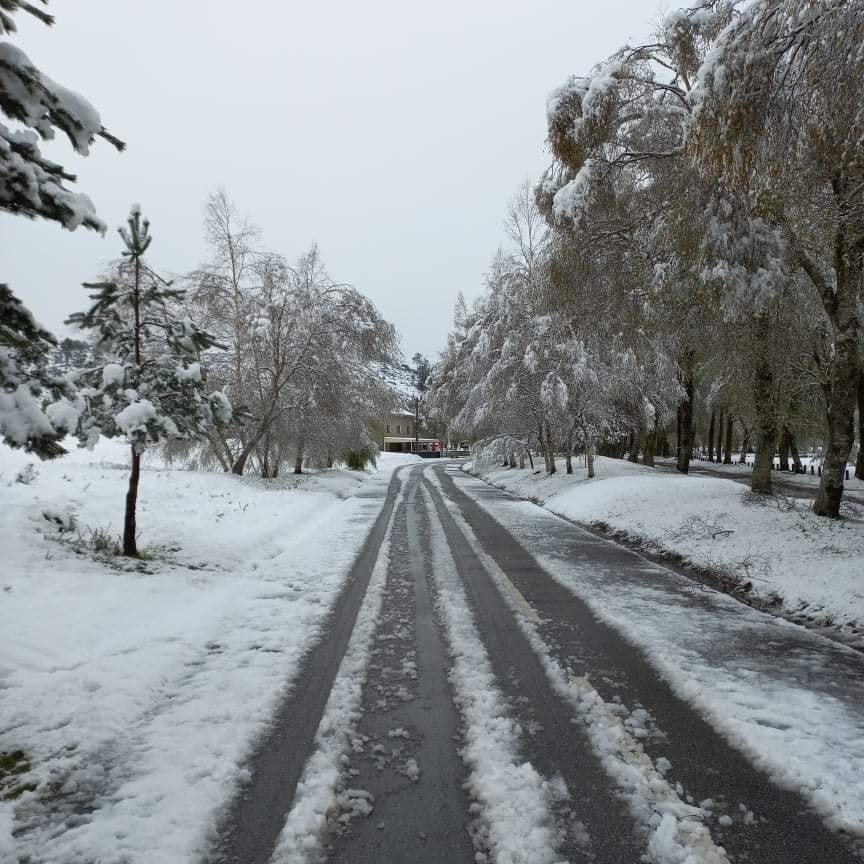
(25, 383)
(150, 388)
(34, 186)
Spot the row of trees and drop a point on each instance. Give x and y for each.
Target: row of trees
(691, 262)
(248, 360)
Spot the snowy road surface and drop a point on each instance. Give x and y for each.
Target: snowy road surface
(495, 685)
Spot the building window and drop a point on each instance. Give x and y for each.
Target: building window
(398, 428)
(408, 429)
(388, 428)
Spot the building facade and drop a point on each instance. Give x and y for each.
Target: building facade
(400, 436)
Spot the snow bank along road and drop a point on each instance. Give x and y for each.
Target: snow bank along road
(495, 685)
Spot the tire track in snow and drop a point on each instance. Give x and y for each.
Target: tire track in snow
(675, 829)
(514, 800)
(253, 823)
(301, 836)
(405, 750)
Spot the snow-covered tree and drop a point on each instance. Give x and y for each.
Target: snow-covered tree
(151, 387)
(26, 383)
(779, 118)
(31, 185)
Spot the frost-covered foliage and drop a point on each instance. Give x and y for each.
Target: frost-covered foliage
(301, 352)
(520, 368)
(31, 185)
(26, 384)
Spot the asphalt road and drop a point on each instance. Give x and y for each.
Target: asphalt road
(425, 816)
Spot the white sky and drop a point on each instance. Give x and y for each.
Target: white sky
(391, 132)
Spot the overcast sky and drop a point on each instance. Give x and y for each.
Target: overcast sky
(391, 132)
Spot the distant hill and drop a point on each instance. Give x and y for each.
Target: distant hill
(402, 380)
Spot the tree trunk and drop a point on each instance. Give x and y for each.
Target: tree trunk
(711, 436)
(685, 437)
(745, 446)
(130, 545)
(298, 462)
(720, 425)
(841, 304)
(783, 450)
(766, 419)
(220, 448)
(589, 455)
(633, 447)
(678, 434)
(859, 462)
(550, 452)
(649, 448)
(730, 429)
(797, 467)
(664, 444)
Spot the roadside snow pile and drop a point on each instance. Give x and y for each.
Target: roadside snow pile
(810, 564)
(115, 673)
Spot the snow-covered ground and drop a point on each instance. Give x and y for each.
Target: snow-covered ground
(811, 564)
(114, 676)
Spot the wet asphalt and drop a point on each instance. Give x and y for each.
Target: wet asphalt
(404, 762)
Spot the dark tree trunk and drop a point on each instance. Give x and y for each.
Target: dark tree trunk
(745, 446)
(633, 447)
(783, 450)
(766, 418)
(685, 453)
(711, 436)
(550, 452)
(797, 467)
(859, 462)
(730, 429)
(841, 303)
(678, 433)
(720, 423)
(298, 462)
(649, 448)
(130, 545)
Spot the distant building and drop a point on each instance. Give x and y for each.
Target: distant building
(399, 429)
(400, 436)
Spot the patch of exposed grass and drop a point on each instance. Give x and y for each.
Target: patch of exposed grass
(14, 764)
